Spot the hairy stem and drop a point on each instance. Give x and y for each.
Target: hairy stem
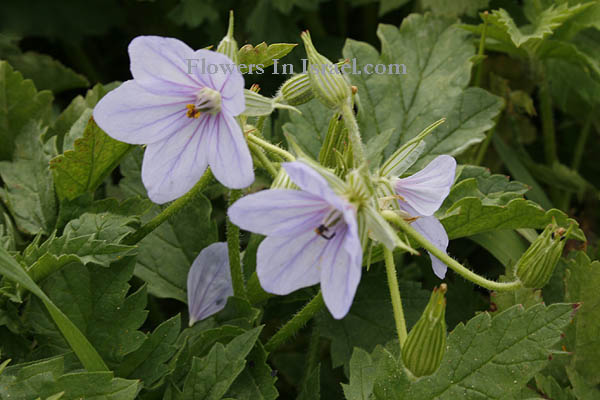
(271, 148)
(171, 210)
(390, 267)
(446, 259)
(263, 159)
(233, 245)
(296, 323)
(353, 134)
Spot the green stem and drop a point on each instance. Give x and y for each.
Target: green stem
(353, 134)
(270, 147)
(395, 294)
(577, 157)
(296, 323)
(312, 354)
(171, 210)
(233, 245)
(580, 146)
(547, 116)
(479, 71)
(484, 147)
(266, 163)
(446, 259)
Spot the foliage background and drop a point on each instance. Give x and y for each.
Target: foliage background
(68, 46)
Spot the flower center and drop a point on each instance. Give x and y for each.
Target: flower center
(330, 221)
(207, 101)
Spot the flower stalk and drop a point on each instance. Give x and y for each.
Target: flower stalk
(270, 147)
(446, 259)
(296, 323)
(353, 134)
(233, 246)
(390, 268)
(171, 210)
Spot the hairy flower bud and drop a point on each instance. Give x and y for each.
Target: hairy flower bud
(426, 343)
(296, 90)
(228, 45)
(536, 265)
(326, 79)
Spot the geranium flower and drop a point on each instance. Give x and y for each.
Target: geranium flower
(209, 282)
(312, 237)
(421, 195)
(185, 119)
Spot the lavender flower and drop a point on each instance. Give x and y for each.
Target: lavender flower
(312, 237)
(421, 195)
(209, 282)
(185, 119)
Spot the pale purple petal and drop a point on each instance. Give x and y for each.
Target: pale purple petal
(209, 282)
(226, 79)
(228, 154)
(309, 180)
(133, 115)
(426, 190)
(341, 270)
(159, 65)
(174, 165)
(433, 231)
(288, 263)
(279, 212)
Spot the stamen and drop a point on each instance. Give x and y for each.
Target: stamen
(321, 229)
(192, 112)
(329, 221)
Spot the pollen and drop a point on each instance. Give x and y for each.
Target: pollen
(192, 112)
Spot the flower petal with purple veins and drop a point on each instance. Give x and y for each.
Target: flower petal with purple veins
(434, 231)
(278, 212)
(133, 115)
(228, 154)
(426, 190)
(172, 166)
(159, 65)
(310, 181)
(209, 282)
(288, 263)
(341, 272)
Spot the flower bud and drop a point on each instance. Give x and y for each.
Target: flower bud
(426, 343)
(228, 45)
(296, 90)
(327, 82)
(536, 265)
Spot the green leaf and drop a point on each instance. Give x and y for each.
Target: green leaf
(311, 388)
(95, 299)
(211, 376)
(505, 245)
(78, 106)
(309, 129)
(193, 13)
(437, 60)
(19, 103)
(480, 202)
(81, 170)
(581, 389)
(86, 353)
(46, 379)
(520, 172)
(543, 24)
(455, 8)
(262, 54)
(91, 238)
(148, 363)
(362, 376)
(46, 72)
(582, 280)
(491, 358)
(386, 6)
(548, 386)
(370, 321)
(256, 381)
(29, 192)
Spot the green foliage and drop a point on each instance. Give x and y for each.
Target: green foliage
(19, 102)
(263, 54)
(81, 170)
(29, 192)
